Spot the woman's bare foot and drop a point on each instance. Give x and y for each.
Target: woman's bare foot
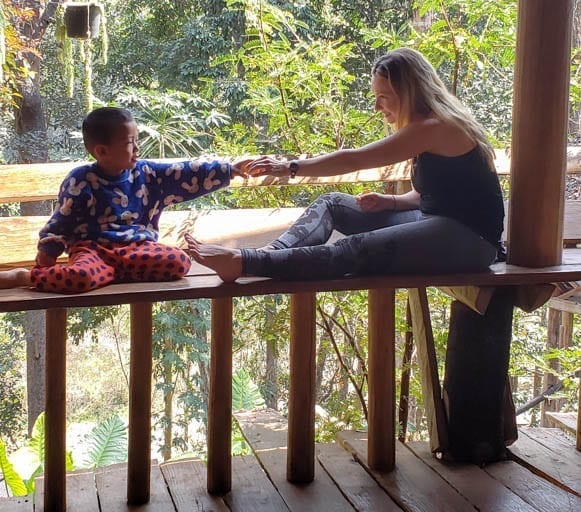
(14, 278)
(227, 263)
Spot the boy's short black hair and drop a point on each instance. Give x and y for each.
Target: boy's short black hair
(100, 125)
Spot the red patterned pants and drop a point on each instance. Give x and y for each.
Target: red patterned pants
(92, 265)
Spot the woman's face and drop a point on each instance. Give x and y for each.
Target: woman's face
(386, 100)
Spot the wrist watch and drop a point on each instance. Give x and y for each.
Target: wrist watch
(293, 168)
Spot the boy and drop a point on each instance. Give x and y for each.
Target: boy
(108, 212)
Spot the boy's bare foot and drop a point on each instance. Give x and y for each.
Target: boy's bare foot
(14, 278)
(227, 263)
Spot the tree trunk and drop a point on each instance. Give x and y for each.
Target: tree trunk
(30, 128)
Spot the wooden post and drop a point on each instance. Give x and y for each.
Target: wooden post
(301, 411)
(431, 389)
(220, 402)
(139, 457)
(381, 367)
(540, 116)
(55, 499)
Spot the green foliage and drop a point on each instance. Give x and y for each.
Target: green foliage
(245, 393)
(12, 479)
(172, 123)
(31, 456)
(12, 392)
(107, 443)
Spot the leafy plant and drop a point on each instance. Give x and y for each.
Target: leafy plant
(107, 443)
(245, 393)
(12, 480)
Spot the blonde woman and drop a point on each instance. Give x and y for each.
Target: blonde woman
(451, 221)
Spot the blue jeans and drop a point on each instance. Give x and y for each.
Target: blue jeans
(387, 242)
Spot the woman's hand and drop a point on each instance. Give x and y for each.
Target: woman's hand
(268, 166)
(374, 202)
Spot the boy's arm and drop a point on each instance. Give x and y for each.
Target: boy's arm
(187, 180)
(59, 231)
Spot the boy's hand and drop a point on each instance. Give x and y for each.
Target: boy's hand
(44, 260)
(240, 168)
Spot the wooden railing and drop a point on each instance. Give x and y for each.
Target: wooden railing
(204, 284)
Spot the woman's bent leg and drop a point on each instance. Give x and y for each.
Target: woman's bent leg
(337, 211)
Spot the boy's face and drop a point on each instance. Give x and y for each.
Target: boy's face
(121, 153)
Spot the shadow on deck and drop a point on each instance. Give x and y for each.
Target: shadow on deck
(543, 474)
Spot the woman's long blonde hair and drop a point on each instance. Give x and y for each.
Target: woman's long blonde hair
(421, 91)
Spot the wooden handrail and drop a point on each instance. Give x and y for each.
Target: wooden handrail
(37, 182)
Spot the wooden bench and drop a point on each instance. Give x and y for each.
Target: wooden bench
(381, 360)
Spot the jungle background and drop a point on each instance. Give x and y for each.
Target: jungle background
(232, 78)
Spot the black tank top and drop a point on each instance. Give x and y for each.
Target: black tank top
(462, 187)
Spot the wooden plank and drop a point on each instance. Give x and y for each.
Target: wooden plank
(301, 404)
(81, 492)
(37, 182)
(40, 181)
(266, 430)
(431, 388)
(533, 489)
(16, 504)
(566, 421)
(186, 481)
(211, 286)
(252, 490)
(548, 457)
(413, 485)
(569, 305)
(355, 483)
(220, 399)
(55, 435)
(139, 461)
(245, 227)
(381, 378)
(112, 484)
(483, 491)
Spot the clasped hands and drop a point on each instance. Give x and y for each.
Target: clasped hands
(261, 166)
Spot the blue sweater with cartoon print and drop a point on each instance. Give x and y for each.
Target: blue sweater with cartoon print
(124, 209)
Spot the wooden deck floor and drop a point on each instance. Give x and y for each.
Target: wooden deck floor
(544, 474)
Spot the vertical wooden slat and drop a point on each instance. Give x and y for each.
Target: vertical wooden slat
(381, 364)
(540, 116)
(404, 386)
(220, 402)
(139, 458)
(301, 414)
(431, 388)
(578, 437)
(55, 415)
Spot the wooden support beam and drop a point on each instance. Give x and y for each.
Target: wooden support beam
(220, 402)
(540, 115)
(55, 499)
(139, 456)
(301, 412)
(381, 380)
(431, 389)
